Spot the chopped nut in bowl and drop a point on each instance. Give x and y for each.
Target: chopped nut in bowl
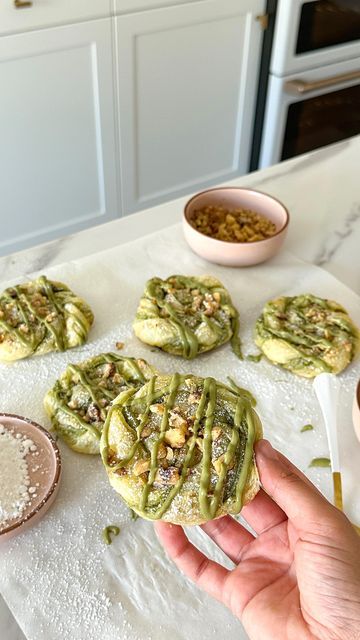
(234, 226)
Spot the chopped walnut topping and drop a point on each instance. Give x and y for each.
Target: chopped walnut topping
(177, 420)
(200, 443)
(193, 398)
(146, 431)
(217, 464)
(24, 328)
(161, 451)
(109, 370)
(169, 454)
(72, 404)
(168, 476)
(157, 408)
(216, 433)
(197, 303)
(51, 316)
(119, 345)
(141, 466)
(176, 438)
(93, 412)
(211, 305)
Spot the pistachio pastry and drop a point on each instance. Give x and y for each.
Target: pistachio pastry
(187, 315)
(80, 400)
(180, 448)
(41, 316)
(307, 335)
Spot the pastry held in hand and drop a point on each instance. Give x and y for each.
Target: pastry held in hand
(307, 335)
(186, 315)
(79, 402)
(180, 449)
(41, 316)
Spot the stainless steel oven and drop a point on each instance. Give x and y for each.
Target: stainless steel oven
(313, 93)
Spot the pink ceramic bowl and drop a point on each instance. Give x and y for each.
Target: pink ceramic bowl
(44, 469)
(236, 254)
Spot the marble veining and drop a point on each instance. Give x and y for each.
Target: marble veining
(350, 222)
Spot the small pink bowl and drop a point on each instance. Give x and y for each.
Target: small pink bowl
(44, 469)
(356, 410)
(236, 254)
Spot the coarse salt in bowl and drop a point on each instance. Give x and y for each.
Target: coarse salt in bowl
(236, 254)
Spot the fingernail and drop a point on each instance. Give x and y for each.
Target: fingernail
(264, 448)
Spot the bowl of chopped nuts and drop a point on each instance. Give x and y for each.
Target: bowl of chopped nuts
(234, 226)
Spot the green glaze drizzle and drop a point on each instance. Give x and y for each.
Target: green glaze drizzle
(209, 500)
(164, 425)
(254, 357)
(243, 392)
(127, 368)
(320, 462)
(111, 529)
(156, 290)
(312, 336)
(235, 340)
(306, 427)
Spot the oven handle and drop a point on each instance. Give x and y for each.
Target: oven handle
(298, 86)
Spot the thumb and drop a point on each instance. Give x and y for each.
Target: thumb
(304, 505)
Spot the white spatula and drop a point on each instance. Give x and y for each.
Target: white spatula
(327, 389)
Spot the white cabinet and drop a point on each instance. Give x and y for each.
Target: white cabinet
(22, 15)
(57, 132)
(187, 79)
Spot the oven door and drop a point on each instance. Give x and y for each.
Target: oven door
(309, 110)
(312, 33)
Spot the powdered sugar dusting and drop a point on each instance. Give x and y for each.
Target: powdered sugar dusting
(15, 490)
(59, 578)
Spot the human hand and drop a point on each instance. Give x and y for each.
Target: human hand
(299, 578)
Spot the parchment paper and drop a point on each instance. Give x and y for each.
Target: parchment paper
(59, 578)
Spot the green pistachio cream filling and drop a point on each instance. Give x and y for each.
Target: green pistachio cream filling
(80, 399)
(187, 315)
(181, 448)
(307, 335)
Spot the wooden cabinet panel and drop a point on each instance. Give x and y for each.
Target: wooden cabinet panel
(57, 152)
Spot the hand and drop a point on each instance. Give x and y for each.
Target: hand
(299, 577)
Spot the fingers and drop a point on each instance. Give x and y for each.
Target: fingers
(262, 513)
(206, 573)
(294, 494)
(229, 535)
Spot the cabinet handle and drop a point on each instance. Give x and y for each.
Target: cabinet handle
(296, 87)
(22, 4)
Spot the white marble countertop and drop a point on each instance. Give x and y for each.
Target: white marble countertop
(322, 192)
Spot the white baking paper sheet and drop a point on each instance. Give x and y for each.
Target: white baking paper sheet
(59, 578)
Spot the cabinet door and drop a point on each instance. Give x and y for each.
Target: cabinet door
(57, 151)
(187, 79)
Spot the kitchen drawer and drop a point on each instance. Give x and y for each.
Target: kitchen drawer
(131, 6)
(46, 13)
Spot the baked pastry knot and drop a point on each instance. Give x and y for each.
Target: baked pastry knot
(187, 315)
(307, 335)
(180, 449)
(80, 399)
(41, 316)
